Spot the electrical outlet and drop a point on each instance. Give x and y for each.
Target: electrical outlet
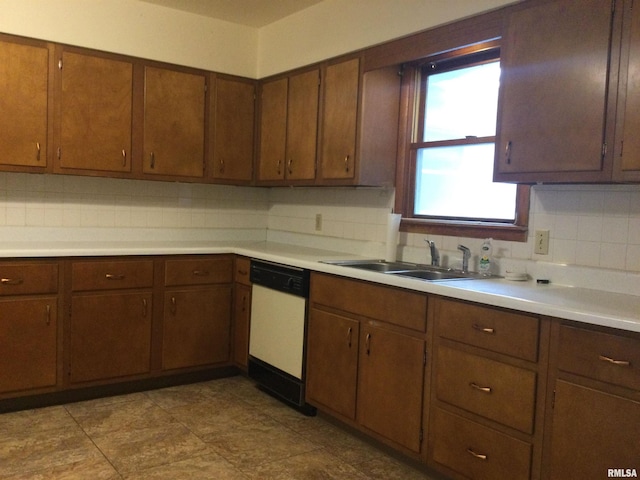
(541, 246)
(318, 222)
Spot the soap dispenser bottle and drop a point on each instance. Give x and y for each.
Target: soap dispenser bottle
(485, 257)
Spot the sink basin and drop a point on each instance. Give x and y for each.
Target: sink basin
(375, 265)
(404, 269)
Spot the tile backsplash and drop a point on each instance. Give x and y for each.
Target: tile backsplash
(591, 226)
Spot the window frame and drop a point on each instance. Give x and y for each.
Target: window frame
(411, 128)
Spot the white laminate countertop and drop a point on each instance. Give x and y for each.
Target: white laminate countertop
(579, 304)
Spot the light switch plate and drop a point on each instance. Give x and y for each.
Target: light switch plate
(541, 246)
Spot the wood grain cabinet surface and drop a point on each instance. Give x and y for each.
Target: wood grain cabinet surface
(28, 327)
(241, 311)
(26, 76)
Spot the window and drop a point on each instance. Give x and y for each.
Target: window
(451, 150)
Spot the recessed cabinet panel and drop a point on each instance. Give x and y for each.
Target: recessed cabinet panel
(24, 76)
(302, 126)
(273, 130)
(174, 121)
(553, 96)
(95, 113)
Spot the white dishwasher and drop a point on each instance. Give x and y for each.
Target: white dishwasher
(278, 331)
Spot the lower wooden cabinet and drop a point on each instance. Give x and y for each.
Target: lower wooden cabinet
(367, 371)
(241, 311)
(28, 342)
(110, 335)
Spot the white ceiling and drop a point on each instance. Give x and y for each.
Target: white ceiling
(253, 13)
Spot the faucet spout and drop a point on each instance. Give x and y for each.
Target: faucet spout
(435, 255)
(466, 255)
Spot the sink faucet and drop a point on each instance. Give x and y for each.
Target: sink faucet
(466, 254)
(435, 255)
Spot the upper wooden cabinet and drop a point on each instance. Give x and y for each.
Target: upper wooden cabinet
(558, 89)
(93, 112)
(232, 118)
(289, 129)
(26, 73)
(174, 122)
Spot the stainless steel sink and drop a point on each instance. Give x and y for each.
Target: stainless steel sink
(404, 269)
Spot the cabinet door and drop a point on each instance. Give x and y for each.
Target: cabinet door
(340, 109)
(332, 362)
(390, 385)
(554, 91)
(110, 335)
(241, 319)
(302, 125)
(233, 128)
(24, 76)
(28, 342)
(174, 111)
(627, 157)
(95, 113)
(196, 327)
(592, 432)
(273, 130)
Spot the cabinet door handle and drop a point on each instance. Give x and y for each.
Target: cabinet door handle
(144, 307)
(173, 305)
(244, 303)
(221, 165)
(38, 151)
(349, 331)
(152, 158)
(48, 314)
(368, 343)
(507, 153)
(111, 276)
(290, 166)
(278, 169)
(346, 163)
(124, 158)
(479, 456)
(11, 281)
(482, 329)
(479, 388)
(620, 363)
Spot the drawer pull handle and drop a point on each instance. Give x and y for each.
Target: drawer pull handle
(620, 363)
(11, 281)
(479, 388)
(482, 329)
(111, 276)
(479, 456)
(200, 273)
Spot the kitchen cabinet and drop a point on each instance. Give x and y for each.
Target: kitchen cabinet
(110, 319)
(487, 398)
(366, 357)
(197, 311)
(595, 412)
(232, 120)
(289, 128)
(26, 75)
(627, 145)
(174, 122)
(241, 311)
(556, 113)
(359, 124)
(28, 326)
(93, 112)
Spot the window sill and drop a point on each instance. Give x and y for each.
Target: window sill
(497, 231)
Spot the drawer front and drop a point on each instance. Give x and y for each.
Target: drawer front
(601, 356)
(392, 305)
(495, 390)
(110, 275)
(241, 273)
(198, 271)
(476, 451)
(500, 331)
(28, 278)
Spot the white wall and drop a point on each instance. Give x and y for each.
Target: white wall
(136, 28)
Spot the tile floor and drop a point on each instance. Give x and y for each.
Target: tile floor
(221, 429)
